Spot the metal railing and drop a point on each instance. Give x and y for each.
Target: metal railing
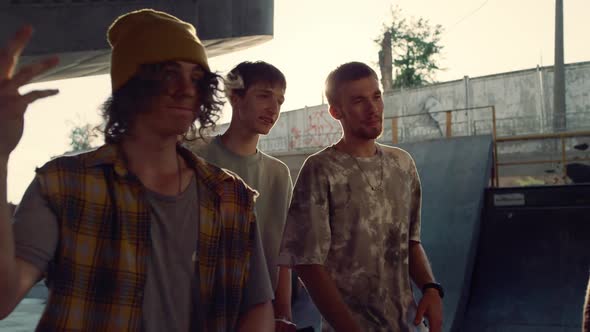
(474, 122)
(448, 126)
(563, 151)
(395, 132)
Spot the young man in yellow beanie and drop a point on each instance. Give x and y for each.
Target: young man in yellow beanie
(140, 234)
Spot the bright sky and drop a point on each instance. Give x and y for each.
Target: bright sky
(313, 37)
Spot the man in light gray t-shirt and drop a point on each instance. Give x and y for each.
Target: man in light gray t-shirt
(256, 92)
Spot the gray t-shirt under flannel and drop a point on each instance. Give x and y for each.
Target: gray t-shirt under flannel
(360, 235)
(174, 231)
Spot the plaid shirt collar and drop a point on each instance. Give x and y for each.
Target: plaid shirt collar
(110, 154)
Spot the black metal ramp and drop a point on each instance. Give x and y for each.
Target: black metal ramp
(532, 265)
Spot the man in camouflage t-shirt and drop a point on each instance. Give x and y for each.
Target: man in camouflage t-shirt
(353, 228)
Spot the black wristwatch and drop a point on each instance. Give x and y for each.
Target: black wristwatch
(437, 286)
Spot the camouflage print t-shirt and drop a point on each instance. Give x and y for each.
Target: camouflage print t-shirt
(357, 218)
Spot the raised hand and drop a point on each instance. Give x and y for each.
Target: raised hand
(12, 104)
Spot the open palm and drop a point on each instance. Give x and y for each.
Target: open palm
(12, 104)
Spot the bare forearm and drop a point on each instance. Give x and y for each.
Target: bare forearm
(12, 109)
(282, 303)
(420, 269)
(7, 258)
(259, 318)
(7, 261)
(327, 298)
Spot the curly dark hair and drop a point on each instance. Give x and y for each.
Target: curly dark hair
(119, 110)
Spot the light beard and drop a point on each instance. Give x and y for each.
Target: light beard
(368, 134)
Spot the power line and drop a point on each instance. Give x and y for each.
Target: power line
(468, 15)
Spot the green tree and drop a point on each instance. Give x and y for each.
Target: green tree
(82, 137)
(412, 47)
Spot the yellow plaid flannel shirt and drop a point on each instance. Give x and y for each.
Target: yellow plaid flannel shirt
(97, 279)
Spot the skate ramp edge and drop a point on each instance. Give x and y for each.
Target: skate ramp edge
(454, 174)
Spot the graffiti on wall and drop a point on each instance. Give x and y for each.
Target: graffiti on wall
(318, 130)
(428, 125)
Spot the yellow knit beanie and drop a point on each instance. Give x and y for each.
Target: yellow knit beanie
(147, 36)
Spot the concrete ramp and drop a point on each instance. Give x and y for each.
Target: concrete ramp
(532, 266)
(454, 174)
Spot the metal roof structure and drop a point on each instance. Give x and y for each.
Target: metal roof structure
(75, 30)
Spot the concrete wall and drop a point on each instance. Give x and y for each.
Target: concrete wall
(523, 101)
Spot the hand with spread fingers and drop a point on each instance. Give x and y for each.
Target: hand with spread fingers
(12, 104)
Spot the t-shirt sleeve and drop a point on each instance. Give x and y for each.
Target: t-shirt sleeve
(258, 287)
(415, 204)
(289, 188)
(35, 227)
(307, 235)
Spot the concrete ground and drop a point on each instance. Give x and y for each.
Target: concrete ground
(25, 317)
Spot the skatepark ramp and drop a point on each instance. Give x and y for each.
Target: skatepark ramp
(511, 259)
(532, 264)
(454, 173)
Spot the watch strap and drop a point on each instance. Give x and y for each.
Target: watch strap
(436, 286)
